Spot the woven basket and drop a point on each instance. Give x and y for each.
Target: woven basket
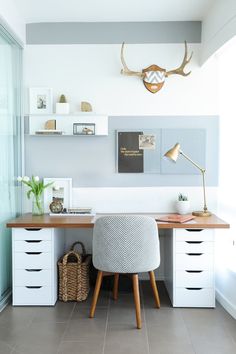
(74, 275)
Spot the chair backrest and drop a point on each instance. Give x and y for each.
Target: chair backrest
(126, 244)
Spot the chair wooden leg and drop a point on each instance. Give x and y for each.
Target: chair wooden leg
(137, 300)
(115, 287)
(96, 293)
(154, 288)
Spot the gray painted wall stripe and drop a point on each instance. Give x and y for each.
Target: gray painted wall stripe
(113, 32)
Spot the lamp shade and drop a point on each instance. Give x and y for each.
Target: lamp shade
(173, 153)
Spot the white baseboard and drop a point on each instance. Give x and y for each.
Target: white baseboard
(228, 306)
(5, 301)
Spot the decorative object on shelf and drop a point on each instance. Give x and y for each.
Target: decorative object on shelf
(154, 77)
(84, 129)
(182, 204)
(60, 191)
(50, 124)
(86, 107)
(173, 155)
(40, 100)
(36, 188)
(64, 124)
(48, 132)
(62, 107)
(50, 128)
(56, 207)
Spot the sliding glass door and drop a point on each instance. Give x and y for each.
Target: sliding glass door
(10, 150)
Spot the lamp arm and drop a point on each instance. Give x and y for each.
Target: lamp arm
(194, 163)
(203, 170)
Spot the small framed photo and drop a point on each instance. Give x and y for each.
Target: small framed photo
(40, 100)
(60, 190)
(84, 129)
(147, 142)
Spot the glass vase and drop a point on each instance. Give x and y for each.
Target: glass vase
(37, 205)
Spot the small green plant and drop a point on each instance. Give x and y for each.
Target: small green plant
(62, 99)
(182, 197)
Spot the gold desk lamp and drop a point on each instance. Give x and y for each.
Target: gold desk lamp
(173, 155)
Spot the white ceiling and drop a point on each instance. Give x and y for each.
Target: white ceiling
(112, 10)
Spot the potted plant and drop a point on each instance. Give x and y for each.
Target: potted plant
(62, 107)
(36, 188)
(182, 204)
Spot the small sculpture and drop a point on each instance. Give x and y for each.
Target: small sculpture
(50, 124)
(86, 107)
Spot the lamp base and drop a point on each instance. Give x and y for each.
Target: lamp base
(201, 213)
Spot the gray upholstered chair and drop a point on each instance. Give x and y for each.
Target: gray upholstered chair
(127, 244)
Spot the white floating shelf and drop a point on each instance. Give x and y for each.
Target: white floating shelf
(65, 124)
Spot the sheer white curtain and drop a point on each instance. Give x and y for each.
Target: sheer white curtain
(9, 146)
(227, 192)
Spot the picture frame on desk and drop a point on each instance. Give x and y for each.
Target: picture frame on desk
(40, 100)
(60, 190)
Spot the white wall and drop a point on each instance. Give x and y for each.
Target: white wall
(92, 73)
(10, 14)
(218, 26)
(226, 239)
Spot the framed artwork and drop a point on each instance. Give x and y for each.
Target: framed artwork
(138, 151)
(40, 100)
(84, 129)
(60, 190)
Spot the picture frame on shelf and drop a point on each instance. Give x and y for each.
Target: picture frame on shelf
(60, 190)
(40, 100)
(84, 128)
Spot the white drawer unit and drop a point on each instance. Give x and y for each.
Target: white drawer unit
(193, 261)
(35, 253)
(33, 234)
(31, 260)
(194, 234)
(33, 277)
(194, 278)
(194, 297)
(33, 295)
(194, 247)
(33, 246)
(190, 276)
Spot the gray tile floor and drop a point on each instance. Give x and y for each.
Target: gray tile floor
(66, 328)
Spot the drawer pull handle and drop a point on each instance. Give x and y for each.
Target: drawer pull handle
(194, 230)
(33, 270)
(35, 253)
(194, 254)
(194, 242)
(193, 288)
(194, 271)
(33, 287)
(33, 241)
(33, 229)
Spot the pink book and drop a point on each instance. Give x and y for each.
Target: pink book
(176, 218)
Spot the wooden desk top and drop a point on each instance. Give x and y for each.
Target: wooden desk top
(69, 222)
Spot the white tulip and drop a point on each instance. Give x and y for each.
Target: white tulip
(36, 178)
(25, 179)
(19, 179)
